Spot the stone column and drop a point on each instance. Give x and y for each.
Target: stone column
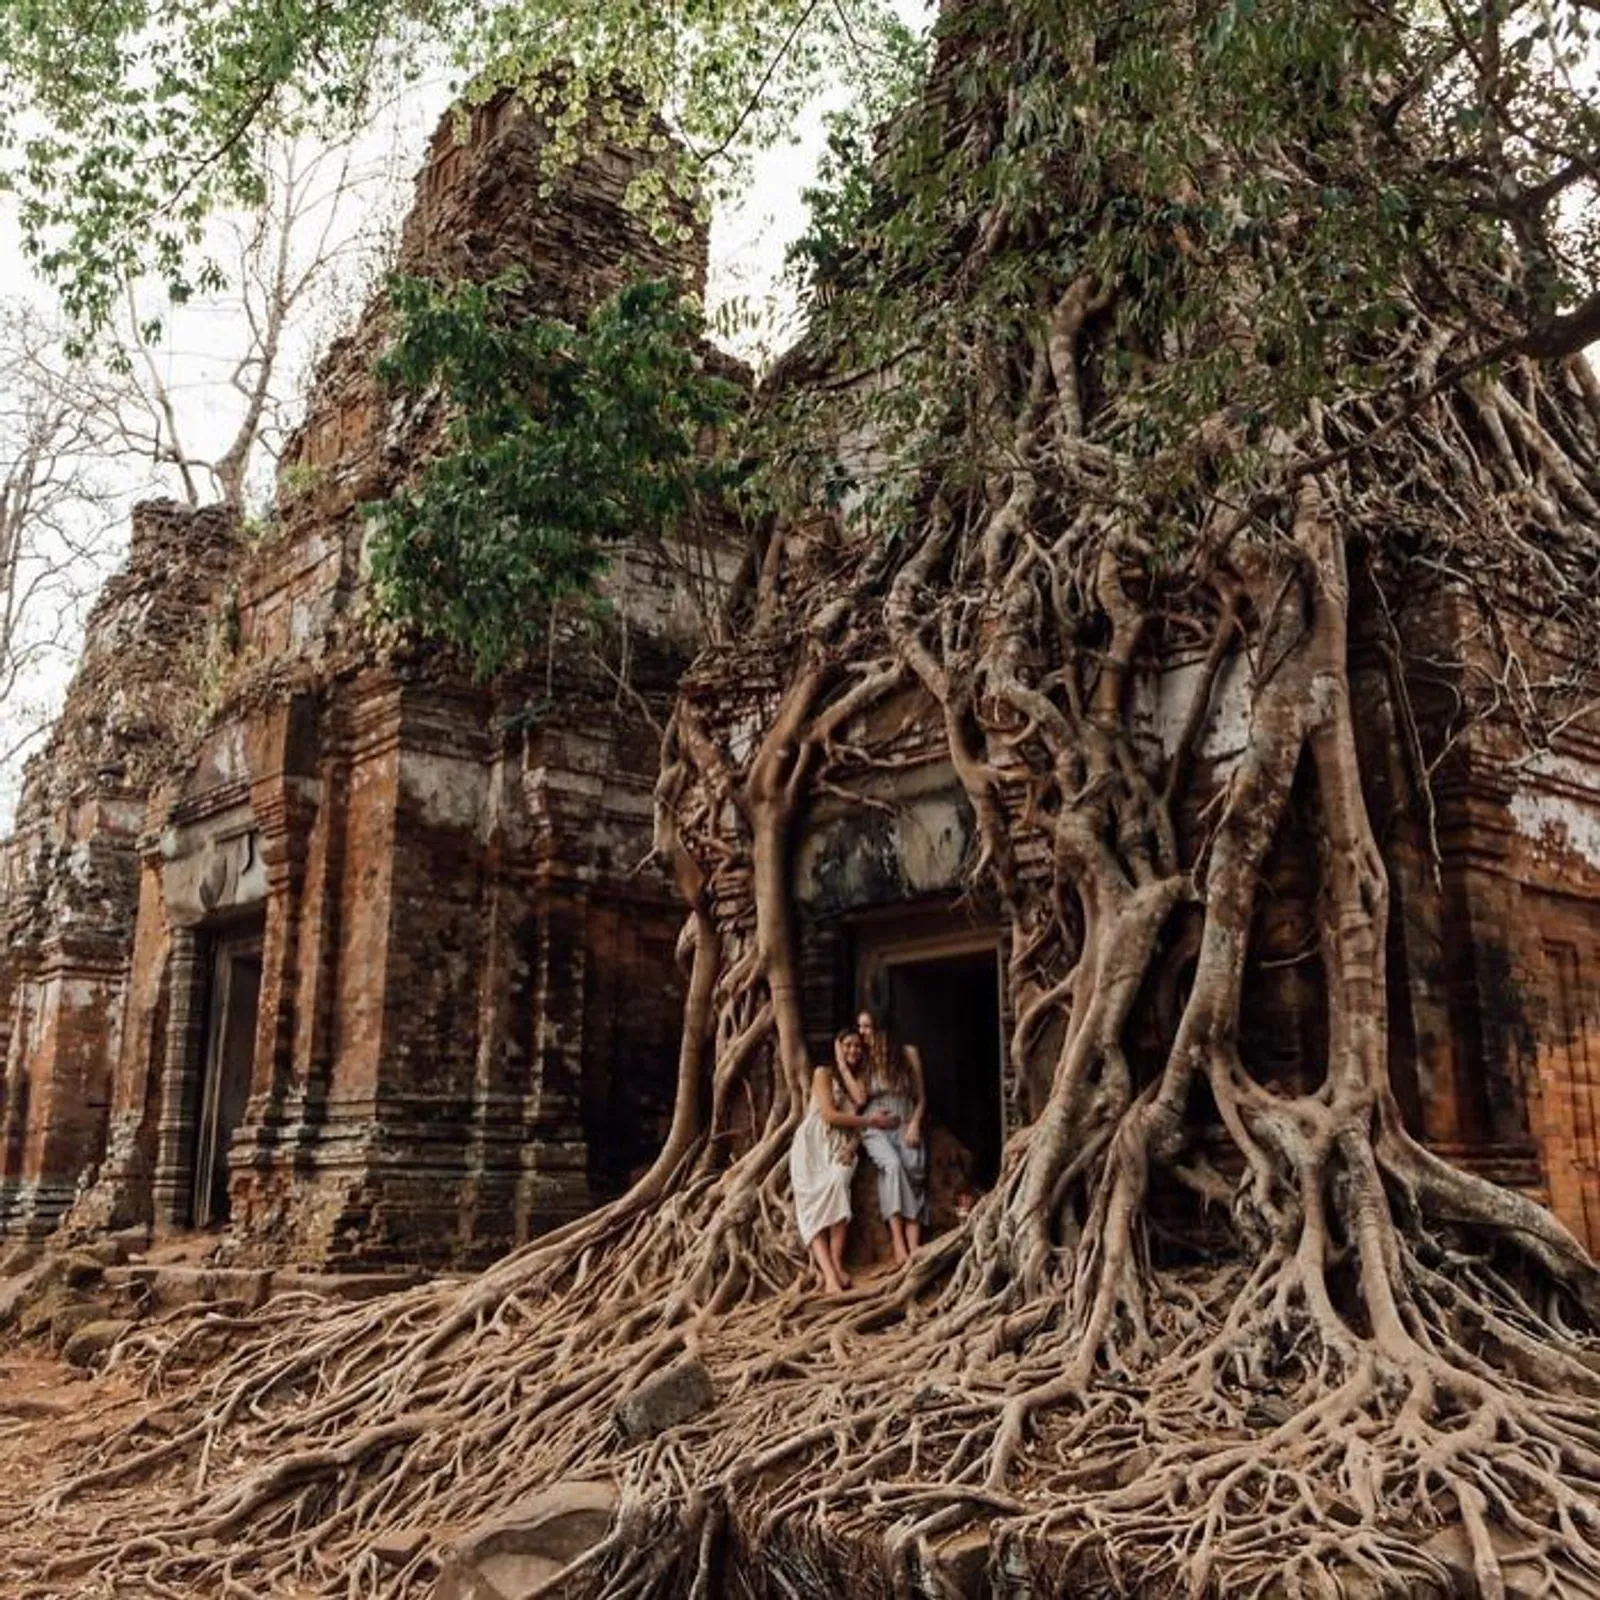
(285, 813)
(79, 994)
(14, 1111)
(183, 1064)
(121, 1195)
(555, 1160)
(317, 956)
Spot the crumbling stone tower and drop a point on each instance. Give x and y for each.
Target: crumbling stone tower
(69, 873)
(376, 972)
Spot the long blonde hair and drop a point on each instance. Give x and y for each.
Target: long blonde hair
(886, 1058)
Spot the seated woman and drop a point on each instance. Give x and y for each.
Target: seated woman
(822, 1160)
(894, 1085)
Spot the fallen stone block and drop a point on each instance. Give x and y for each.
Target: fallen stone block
(92, 1340)
(80, 1270)
(163, 1288)
(517, 1555)
(109, 1251)
(682, 1391)
(35, 1317)
(71, 1317)
(18, 1258)
(961, 1563)
(397, 1548)
(16, 1293)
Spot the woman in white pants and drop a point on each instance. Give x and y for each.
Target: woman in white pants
(894, 1086)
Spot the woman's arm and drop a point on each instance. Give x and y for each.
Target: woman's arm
(913, 1132)
(822, 1099)
(853, 1086)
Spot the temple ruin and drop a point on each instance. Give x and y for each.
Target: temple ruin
(305, 933)
(1494, 932)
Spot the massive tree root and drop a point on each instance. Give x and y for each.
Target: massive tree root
(1285, 1382)
(1381, 1346)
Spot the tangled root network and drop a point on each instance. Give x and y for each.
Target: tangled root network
(1209, 1333)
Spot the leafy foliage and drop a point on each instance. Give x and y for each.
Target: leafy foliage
(839, 199)
(1259, 192)
(123, 123)
(839, 202)
(558, 441)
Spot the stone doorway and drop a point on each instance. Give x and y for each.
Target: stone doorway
(949, 1007)
(233, 1000)
(940, 988)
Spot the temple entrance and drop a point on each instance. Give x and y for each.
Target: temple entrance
(234, 998)
(949, 1008)
(938, 984)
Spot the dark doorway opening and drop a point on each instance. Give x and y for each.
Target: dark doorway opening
(949, 1008)
(234, 1000)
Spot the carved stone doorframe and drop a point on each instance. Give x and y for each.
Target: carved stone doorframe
(198, 1035)
(926, 938)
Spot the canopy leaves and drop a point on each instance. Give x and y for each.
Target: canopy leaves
(1255, 195)
(123, 124)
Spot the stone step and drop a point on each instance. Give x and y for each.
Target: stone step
(165, 1287)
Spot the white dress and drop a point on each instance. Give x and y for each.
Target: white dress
(822, 1161)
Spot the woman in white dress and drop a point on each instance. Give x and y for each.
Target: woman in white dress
(822, 1160)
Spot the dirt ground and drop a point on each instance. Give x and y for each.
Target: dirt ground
(51, 1415)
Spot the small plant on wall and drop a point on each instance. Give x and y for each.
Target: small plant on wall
(558, 441)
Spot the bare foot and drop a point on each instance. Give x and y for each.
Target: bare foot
(830, 1281)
